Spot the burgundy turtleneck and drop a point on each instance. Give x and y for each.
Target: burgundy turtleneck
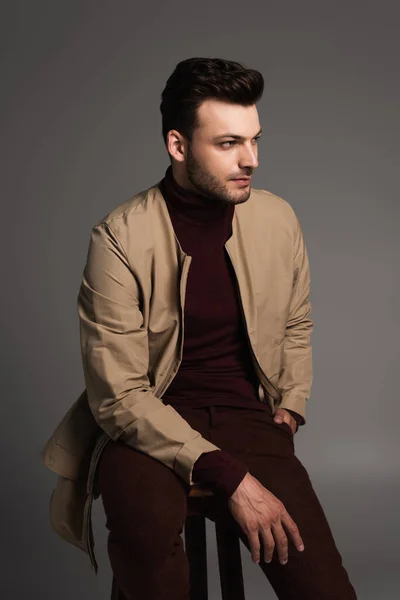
(216, 367)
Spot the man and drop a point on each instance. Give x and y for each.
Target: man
(195, 334)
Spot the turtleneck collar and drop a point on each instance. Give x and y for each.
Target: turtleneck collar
(192, 206)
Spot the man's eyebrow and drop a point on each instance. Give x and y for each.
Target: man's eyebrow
(234, 136)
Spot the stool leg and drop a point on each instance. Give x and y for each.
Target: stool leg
(230, 563)
(116, 593)
(196, 552)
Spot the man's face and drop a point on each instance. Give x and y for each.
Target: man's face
(216, 158)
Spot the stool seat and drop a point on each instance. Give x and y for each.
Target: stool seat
(199, 490)
(199, 507)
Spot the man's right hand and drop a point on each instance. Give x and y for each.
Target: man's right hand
(260, 513)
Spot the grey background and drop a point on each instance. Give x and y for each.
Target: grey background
(81, 132)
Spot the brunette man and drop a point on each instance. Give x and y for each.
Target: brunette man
(195, 330)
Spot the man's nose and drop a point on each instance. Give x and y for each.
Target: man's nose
(249, 158)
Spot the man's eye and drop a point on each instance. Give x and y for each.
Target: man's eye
(229, 143)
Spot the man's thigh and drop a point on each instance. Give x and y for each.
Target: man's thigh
(268, 450)
(145, 504)
(143, 500)
(317, 572)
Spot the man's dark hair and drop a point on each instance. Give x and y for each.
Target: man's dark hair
(197, 79)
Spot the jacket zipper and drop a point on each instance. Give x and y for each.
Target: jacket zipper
(158, 392)
(259, 369)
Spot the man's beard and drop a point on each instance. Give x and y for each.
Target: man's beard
(208, 185)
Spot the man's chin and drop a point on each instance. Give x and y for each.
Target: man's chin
(240, 199)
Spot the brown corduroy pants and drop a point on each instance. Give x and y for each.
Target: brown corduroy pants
(145, 504)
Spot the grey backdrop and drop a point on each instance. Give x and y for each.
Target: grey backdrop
(81, 132)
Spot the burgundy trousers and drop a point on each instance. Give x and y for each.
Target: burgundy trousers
(145, 505)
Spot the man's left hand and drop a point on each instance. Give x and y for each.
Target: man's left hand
(282, 416)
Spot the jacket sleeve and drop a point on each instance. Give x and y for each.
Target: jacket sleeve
(115, 356)
(296, 374)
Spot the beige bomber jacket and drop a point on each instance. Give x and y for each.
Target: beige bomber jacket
(130, 305)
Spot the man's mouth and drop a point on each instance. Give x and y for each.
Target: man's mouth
(242, 179)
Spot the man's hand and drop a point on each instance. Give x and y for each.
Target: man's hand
(260, 513)
(282, 416)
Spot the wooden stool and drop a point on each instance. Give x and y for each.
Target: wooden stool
(200, 500)
(228, 549)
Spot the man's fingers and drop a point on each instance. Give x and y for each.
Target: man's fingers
(254, 543)
(281, 542)
(293, 531)
(268, 544)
